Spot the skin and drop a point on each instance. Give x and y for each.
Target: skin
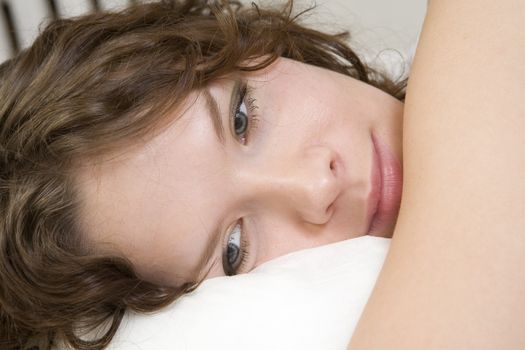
(454, 276)
(301, 179)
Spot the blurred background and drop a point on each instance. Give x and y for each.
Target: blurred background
(383, 32)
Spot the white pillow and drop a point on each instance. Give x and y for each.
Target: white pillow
(308, 299)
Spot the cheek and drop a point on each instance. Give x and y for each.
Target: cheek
(325, 103)
(296, 117)
(276, 236)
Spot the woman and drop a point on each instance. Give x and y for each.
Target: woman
(156, 110)
(148, 150)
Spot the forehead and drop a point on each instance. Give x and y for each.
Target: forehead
(152, 202)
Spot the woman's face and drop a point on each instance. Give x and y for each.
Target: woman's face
(279, 160)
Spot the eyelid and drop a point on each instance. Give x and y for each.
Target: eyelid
(235, 100)
(224, 248)
(244, 248)
(244, 95)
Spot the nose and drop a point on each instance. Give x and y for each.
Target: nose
(306, 183)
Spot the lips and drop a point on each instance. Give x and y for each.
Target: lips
(385, 195)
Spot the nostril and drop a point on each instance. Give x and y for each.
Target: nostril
(335, 166)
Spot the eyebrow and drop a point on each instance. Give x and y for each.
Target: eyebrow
(214, 111)
(215, 115)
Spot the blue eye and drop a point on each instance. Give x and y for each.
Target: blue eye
(241, 120)
(234, 246)
(243, 116)
(235, 256)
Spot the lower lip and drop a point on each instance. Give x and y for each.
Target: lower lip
(387, 186)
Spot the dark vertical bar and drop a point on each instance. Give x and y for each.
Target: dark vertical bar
(11, 28)
(95, 5)
(53, 9)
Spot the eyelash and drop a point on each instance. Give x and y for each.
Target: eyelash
(243, 251)
(245, 95)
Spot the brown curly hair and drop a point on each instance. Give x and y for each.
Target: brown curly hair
(94, 84)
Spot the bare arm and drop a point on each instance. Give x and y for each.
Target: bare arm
(454, 276)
